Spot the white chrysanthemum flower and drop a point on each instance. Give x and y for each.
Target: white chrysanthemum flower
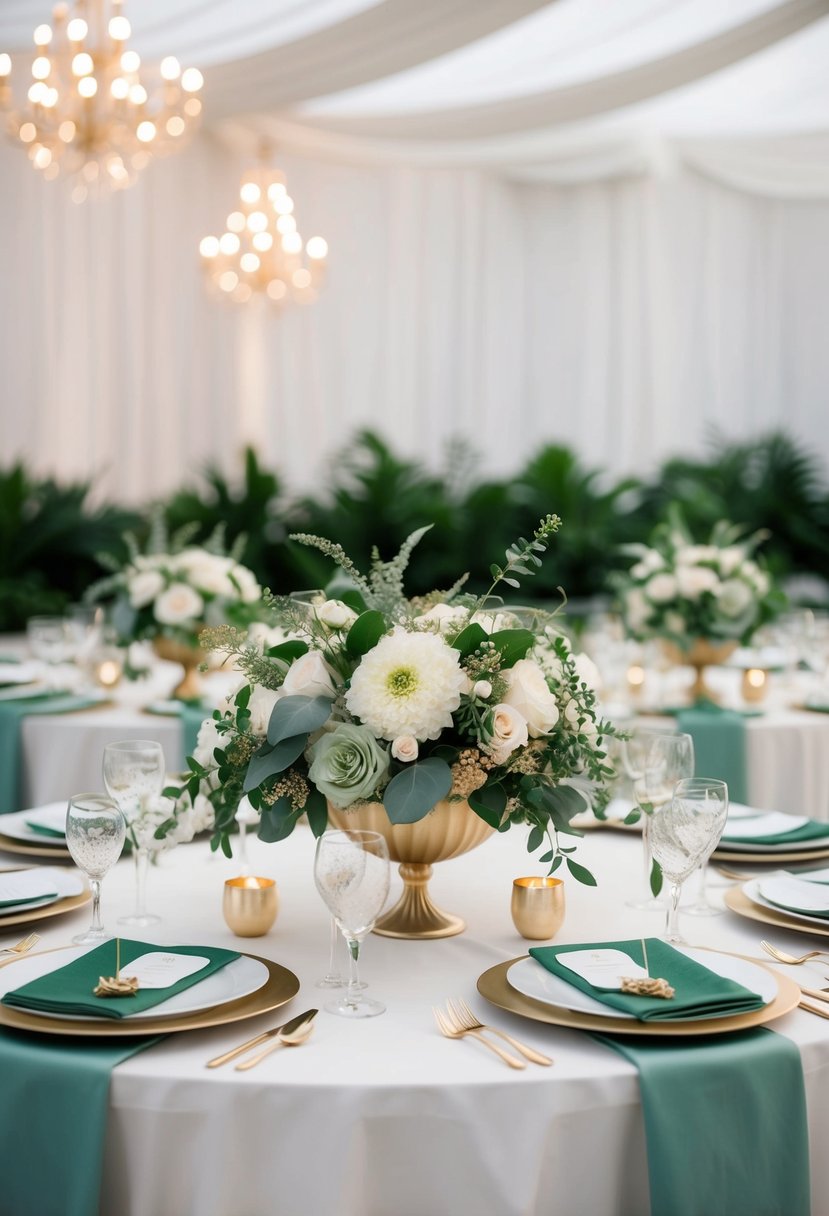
(409, 684)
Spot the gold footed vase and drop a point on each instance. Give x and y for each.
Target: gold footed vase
(190, 657)
(699, 655)
(450, 828)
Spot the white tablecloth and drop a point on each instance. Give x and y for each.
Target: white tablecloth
(384, 1117)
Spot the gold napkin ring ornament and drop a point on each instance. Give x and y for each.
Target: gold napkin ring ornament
(648, 987)
(113, 985)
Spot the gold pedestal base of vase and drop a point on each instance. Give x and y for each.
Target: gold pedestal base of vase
(190, 657)
(450, 829)
(701, 654)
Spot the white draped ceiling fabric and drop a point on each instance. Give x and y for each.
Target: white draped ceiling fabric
(592, 222)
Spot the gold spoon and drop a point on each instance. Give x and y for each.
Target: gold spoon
(289, 1038)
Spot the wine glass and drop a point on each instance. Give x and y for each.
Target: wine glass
(95, 831)
(133, 775)
(655, 762)
(351, 870)
(48, 643)
(681, 831)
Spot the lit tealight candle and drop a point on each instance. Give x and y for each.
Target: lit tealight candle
(250, 905)
(755, 683)
(108, 673)
(636, 678)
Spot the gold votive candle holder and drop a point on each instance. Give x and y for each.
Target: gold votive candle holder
(755, 684)
(537, 907)
(250, 905)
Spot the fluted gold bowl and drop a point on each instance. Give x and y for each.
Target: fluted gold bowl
(449, 829)
(190, 657)
(700, 654)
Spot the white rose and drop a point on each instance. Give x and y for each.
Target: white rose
(249, 589)
(446, 616)
(493, 623)
(587, 671)
(734, 597)
(637, 610)
(692, 555)
(507, 730)
(758, 577)
(527, 692)
(208, 740)
(334, 614)
(730, 559)
(203, 814)
(261, 703)
(693, 581)
(144, 587)
(309, 676)
(405, 748)
(661, 588)
(482, 689)
(179, 603)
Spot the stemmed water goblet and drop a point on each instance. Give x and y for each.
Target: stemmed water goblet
(682, 831)
(133, 775)
(351, 871)
(95, 831)
(655, 762)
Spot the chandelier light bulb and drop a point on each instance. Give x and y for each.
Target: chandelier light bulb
(66, 131)
(88, 86)
(119, 88)
(137, 94)
(82, 64)
(77, 29)
(261, 254)
(42, 157)
(191, 80)
(175, 126)
(50, 98)
(5, 64)
(146, 131)
(192, 107)
(119, 29)
(42, 35)
(41, 67)
(37, 92)
(130, 62)
(170, 68)
(27, 132)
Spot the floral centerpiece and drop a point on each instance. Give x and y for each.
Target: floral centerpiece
(405, 705)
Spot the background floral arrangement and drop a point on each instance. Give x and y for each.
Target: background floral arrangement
(376, 697)
(175, 590)
(681, 591)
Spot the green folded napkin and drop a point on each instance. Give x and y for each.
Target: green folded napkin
(42, 830)
(719, 745)
(58, 1091)
(70, 988)
(700, 993)
(12, 713)
(807, 831)
(28, 899)
(725, 1123)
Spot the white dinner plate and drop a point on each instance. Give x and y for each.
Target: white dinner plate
(531, 979)
(16, 827)
(240, 978)
(65, 882)
(752, 890)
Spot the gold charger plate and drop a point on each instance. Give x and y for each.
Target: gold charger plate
(494, 986)
(739, 902)
(279, 988)
(770, 859)
(68, 904)
(9, 844)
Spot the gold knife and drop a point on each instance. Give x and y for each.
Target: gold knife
(261, 1038)
(816, 993)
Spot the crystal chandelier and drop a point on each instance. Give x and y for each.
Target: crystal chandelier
(261, 253)
(89, 113)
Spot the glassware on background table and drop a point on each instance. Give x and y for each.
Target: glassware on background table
(682, 831)
(95, 832)
(351, 871)
(134, 772)
(332, 977)
(654, 762)
(83, 625)
(702, 905)
(48, 639)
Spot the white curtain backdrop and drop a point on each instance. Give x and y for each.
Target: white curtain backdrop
(622, 317)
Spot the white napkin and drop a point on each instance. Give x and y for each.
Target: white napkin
(772, 823)
(52, 815)
(794, 893)
(26, 886)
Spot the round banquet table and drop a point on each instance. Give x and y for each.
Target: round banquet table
(384, 1117)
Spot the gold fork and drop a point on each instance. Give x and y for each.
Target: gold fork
(462, 1018)
(22, 947)
(791, 959)
(447, 1028)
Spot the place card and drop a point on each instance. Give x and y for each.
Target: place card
(602, 968)
(162, 969)
(26, 886)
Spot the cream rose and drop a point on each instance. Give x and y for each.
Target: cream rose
(734, 597)
(260, 705)
(309, 676)
(144, 587)
(446, 616)
(179, 603)
(527, 692)
(505, 729)
(482, 689)
(405, 748)
(661, 588)
(334, 614)
(693, 581)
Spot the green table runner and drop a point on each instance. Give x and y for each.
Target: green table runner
(53, 1120)
(719, 745)
(725, 1124)
(807, 831)
(699, 992)
(69, 989)
(12, 713)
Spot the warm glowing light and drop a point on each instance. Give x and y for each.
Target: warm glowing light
(50, 98)
(250, 192)
(236, 221)
(636, 676)
(170, 68)
(77, 29)
(276, 289)
(88, 86)
(257, 221)
(41, 67)
(66, 131)
(228, 280)
(209, 247)
(275, 189)
(130, 62)
(292, 242)
(42, 35)
(286, 223)
(243, 293)
(120, 88)
(755, 677)
(316, 248)
(119, 28)
(137, 94)
(146, 131)
(90, 170)
(27, 132)
(249, 262)
(37, 92)
(191, 80)
(192, 107)
(5, 64)
(108, 673)
(283, 203)
(229, 243)
(82, 64)
(263, 241)
(42, 157)
(301, 278)
(175, 126)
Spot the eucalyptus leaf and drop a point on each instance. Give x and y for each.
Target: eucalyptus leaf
(278, 821)
(489, 803)
(296, 716)
(275, 760)
(316, 808)
(580, 873)
(414, 791)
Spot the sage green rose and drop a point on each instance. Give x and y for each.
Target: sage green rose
(348, 763)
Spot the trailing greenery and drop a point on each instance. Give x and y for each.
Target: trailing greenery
(50, 538)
